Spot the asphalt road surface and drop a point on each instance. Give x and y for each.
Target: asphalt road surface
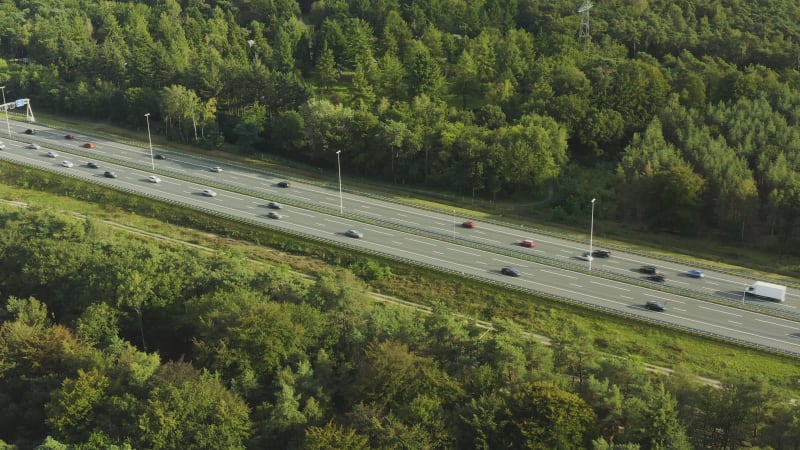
(429, 237)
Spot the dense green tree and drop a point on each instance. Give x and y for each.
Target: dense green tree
(332, 437)
(326, 66)
(188, 408)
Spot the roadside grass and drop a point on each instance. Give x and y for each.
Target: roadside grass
(610, 333)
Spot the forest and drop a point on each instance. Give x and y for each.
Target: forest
(679, 116)
(108, 341)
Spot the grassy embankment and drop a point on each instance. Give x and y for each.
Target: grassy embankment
(611, 334)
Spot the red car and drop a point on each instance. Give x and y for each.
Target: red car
(89, 145)
(528, 243)
(69, 136)
(468, 224)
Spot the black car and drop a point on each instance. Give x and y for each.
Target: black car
(284, 184)
(650, 270)
(110, 175)
(30, 131)
(601, 253)
(93, 165)
(510, 271)
(160, 156)
(654, 306)
(657, 277)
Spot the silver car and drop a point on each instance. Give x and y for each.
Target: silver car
(209, 193)
(354, 234)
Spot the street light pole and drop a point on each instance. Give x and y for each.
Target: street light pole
(591, 233)
(152, 161)
(339, 165)
(3, 88)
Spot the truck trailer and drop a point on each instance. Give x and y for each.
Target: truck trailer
(767, 291)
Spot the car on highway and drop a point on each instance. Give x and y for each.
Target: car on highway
(510, 271)
(89, 145)
(30, 131)
(160, 156)
(654, 305)
(354, 234)
(69, 136)
(284, 184)
(33, 146)
(66, 164)
(274, 205)
(274, 215)
(696, 273)
(586, 256)
(153, 179)
(602, 253)
(217, 169)
(528, 243)
(92, 165)
(2, 146)
(209, 193)
(110, 174)
(52, 154)
(649, 270)
(657, 277)
(468, 224)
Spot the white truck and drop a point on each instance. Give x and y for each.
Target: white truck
(768, 291)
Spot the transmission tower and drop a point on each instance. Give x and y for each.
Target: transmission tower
(583, 35)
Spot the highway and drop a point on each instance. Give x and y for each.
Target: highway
(428, 237)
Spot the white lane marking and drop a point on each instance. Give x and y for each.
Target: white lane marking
(303, 213)
(373, 230)
(778, 324)
(576, 285)
(559, 274)
(625, 296)
(402, 215)
(716, 310)
(421, 242)
(321, 224)
(662, 298)
(480, 262)
(438, 253)
(510, 263)
(463, 251)
(737, 323)
(611, 286)
(679, 309)
(712, 283)
(677, 282)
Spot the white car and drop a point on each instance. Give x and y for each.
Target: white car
(52, 154)
(586, 257)
(67, 164)
(2, 146)
(209, 193)
(34, 146)
(217, 169)
(153, 179)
